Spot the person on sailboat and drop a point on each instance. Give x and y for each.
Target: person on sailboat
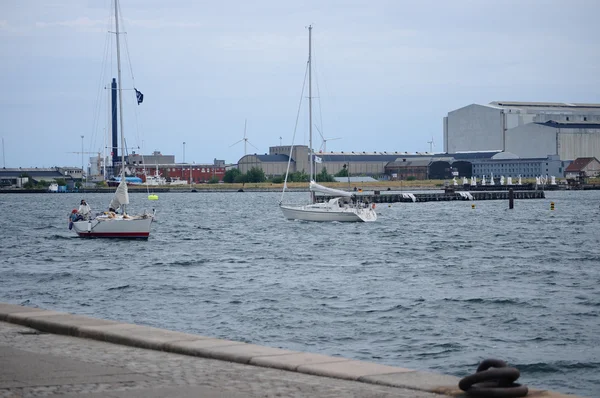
(74, 216)
(112, 212)
(84, 209)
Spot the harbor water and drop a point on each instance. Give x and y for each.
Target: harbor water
(431, 286)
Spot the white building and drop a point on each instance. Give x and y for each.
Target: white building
(527, 129)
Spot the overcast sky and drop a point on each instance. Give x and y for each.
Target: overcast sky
(387, 72)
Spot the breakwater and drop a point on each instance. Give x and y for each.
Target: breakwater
(441, 197)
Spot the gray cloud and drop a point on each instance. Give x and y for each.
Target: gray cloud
(386, 70)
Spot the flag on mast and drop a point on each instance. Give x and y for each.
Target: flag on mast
(139, 96)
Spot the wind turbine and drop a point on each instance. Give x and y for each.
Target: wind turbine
(246, 142)
(324, 145)
(431, 145)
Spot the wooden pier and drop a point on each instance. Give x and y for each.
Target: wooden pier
(389, 197)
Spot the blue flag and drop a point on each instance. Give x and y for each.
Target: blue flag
(139, 96)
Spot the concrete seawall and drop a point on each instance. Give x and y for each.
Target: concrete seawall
(410, 383)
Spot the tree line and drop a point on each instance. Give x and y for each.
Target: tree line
(256, 174)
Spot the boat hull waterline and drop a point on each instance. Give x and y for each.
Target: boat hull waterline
(318, 212)
(133, 228)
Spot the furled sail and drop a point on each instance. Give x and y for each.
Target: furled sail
(121, 195)
(314, 187)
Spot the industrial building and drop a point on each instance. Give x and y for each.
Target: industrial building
(402, 165)
(101, 168)
(583, 168)
(275, 163)
(526, 139)
(190, 172)
(401, 169)
(17, 177)
(164, 165)
(508, 164)
(193, 173)
(525, 129)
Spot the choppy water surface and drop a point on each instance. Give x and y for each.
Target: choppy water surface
(430, 286)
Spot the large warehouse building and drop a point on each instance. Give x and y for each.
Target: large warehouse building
(526, 129)
(357, 163)
(402, 165)
(525, 139)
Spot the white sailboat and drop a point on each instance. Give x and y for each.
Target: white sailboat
(111, 224)
(345, 206)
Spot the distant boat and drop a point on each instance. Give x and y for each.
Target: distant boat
(115, 181)
(53, 187)
(111, 224)
(345, 207)
(156, 179)
(177, 181)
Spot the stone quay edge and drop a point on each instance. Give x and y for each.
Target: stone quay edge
(207, 347)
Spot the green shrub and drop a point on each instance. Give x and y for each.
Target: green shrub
(298, 176)
(324, 177)
(240, 179)
(342, 173)
(255, 174)
(231, 175)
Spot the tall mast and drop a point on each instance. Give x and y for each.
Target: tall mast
(310, 146)
(105, 133)
(120, 90)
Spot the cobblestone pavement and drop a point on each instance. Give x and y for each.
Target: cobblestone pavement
(34, 364)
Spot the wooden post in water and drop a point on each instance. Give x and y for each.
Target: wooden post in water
(511, 198)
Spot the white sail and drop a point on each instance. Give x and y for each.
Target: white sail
(314, 187)
(121, 196)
